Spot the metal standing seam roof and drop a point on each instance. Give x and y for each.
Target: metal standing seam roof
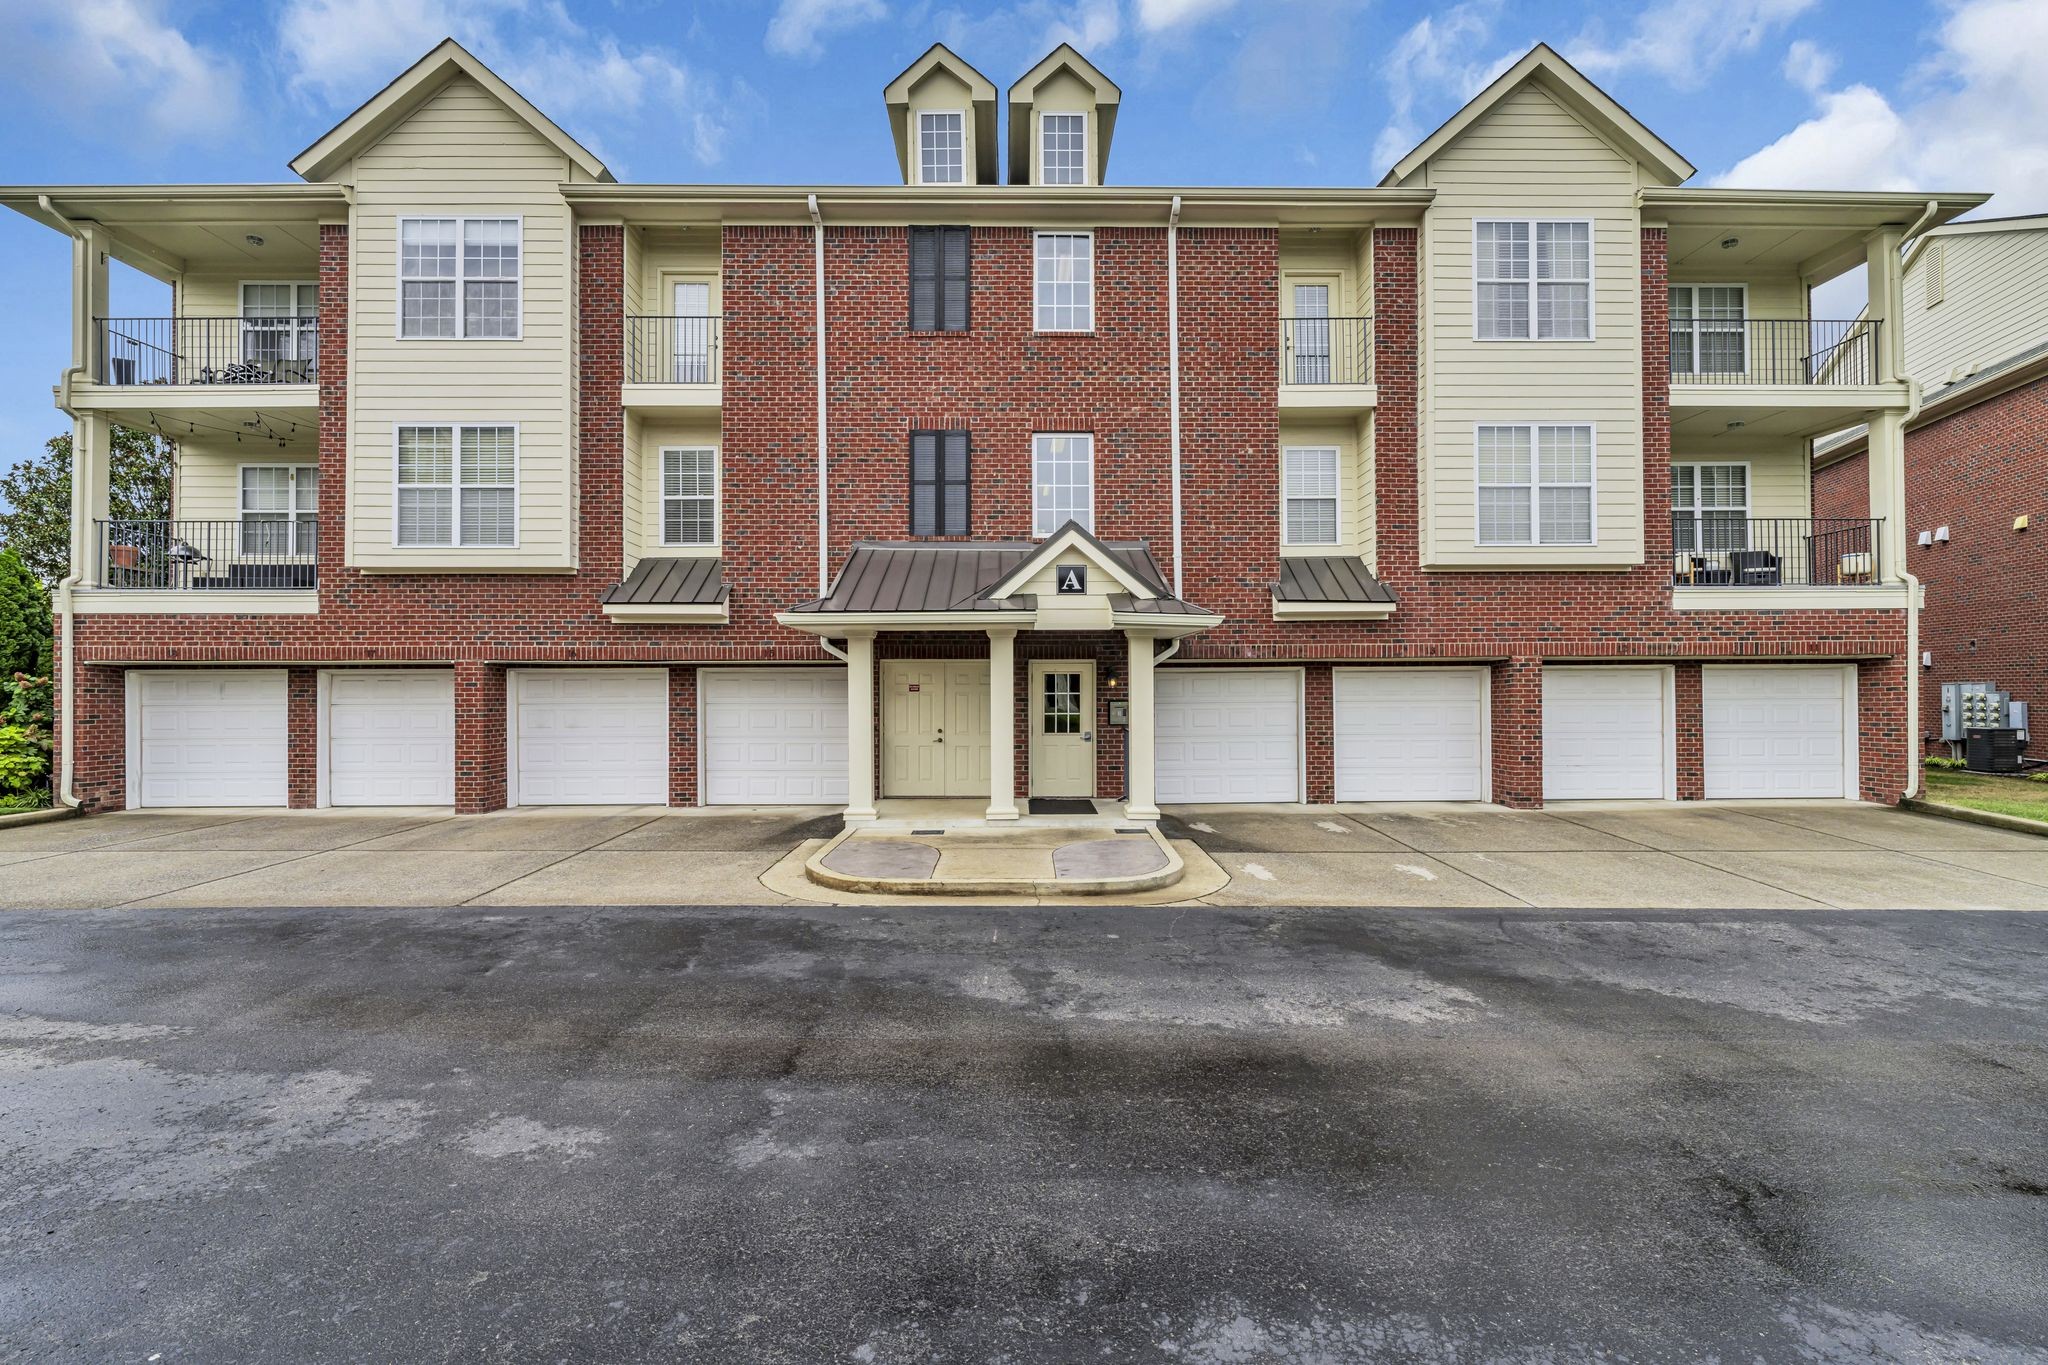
(667, 581)
(1328, 578)
(897, 576)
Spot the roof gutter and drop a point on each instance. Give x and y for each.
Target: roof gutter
(824, 490)
(1173, 372)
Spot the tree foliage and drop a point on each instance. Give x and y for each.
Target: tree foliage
(36, 520)
(24, 617)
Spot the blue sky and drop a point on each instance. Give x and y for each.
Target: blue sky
(1942, 94)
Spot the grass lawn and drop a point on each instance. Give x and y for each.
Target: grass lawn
(1983, 791)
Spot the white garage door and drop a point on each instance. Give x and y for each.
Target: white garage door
(1227, 735)
(1604, 736)
(207, 739)
(1409, 734)
(591, 737)
(1778, 731)
(391, 738)
(774, 736)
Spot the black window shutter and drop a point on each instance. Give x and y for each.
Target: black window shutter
(924, 483)
(953, 485)
(939, 479)
(954, 257)
(924, 279)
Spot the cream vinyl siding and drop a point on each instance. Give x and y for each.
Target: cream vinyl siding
(643, 484)
(1982, 317)
(1062, 93)
(1780, 480)
(1354, 496)
(1769, 299)
(669, 254)
(1530, 158)
(461, 153)
(206, 480)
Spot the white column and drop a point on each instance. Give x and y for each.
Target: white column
(860, 726)
(1138, 800)
(1002, 725)
(91, 439)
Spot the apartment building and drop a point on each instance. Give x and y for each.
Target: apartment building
(1975, 328)
(500, 482)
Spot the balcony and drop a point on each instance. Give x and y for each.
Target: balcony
(1739, 380)
(1326, 365)
(181, 351)
(252, 554)
(672, 363)
(1727, 559)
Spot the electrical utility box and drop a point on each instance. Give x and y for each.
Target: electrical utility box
(1971, 706)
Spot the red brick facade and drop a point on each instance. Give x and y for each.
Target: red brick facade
(1003, 381)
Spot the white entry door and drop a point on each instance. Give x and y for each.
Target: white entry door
(1779, 730)
(391, 738)
(773, 736)
(1061, 720)
(1227, 735)
(590, 737)
(1605, 735)
(208, 738)
(1409, 734)
(935, 731)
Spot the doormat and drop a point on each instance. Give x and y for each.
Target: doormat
(1062, 805)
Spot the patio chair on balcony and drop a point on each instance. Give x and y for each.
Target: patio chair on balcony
(1755, 568)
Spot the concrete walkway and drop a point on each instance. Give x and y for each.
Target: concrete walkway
(1751, 856)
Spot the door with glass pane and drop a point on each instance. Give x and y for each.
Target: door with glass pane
(1062, 722)
(693, 332)
(1709, 330)
(1311, 356)
(1709, 513)
(280, 331)
(280, 506)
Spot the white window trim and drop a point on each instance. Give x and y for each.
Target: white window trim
(297, 333)
(918, 161)
(1044, 161)
(455, 432)
(1741, 330)
(1592, 287)
(1036, 237)
(1336, 496)
(1535, 485)
(292, 515)
(662, 498)
(1748, 497)
(398, 272)
(1038, 436)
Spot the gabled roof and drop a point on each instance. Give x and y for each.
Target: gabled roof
(1560, 78)
(1111, 560)
(415, 86)
(1025, 91)
(982, 90)
(882, 576)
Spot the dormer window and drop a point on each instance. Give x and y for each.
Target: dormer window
(1063, 148)
(941, 149)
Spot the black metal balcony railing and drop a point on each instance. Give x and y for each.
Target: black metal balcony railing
(1326, 350)
(208, 350)
(1773, 351)
(672, 350)
(1728, 550)
(200, 556)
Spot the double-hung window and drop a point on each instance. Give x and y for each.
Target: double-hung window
(458, 485)
(1062, 482)
(940, 278)
(458, 277)
(1308, 477)
(1063, 148)
(1535, 484)
(280, 509)
(1532, 280)
(941, 149)
(939, 465)
(1065, 282)
(1709, 329)
(1709, 507)
(689, 495)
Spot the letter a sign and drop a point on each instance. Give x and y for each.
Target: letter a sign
(1073, 578)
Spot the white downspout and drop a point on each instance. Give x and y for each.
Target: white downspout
(824, 491)
(1912, 583)
(1173, 372)
(63, 789)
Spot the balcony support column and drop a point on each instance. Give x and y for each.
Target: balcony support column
(1886, 279)
(91, 438)
(1886, 466)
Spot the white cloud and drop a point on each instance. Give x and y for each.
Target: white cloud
(1809, 66)
(1973, 117)
(1437, 56)
(799, 27)
(1685, 41)
(1089, 26)
(125, 65)
(1154, 15)
(339, 52)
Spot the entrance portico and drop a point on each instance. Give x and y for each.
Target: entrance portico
(1076, 623)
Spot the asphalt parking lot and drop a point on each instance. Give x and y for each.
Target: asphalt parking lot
(1693, 857)
(805, 1134)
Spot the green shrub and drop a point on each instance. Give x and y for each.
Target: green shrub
(25, 739)
(1945, 764)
